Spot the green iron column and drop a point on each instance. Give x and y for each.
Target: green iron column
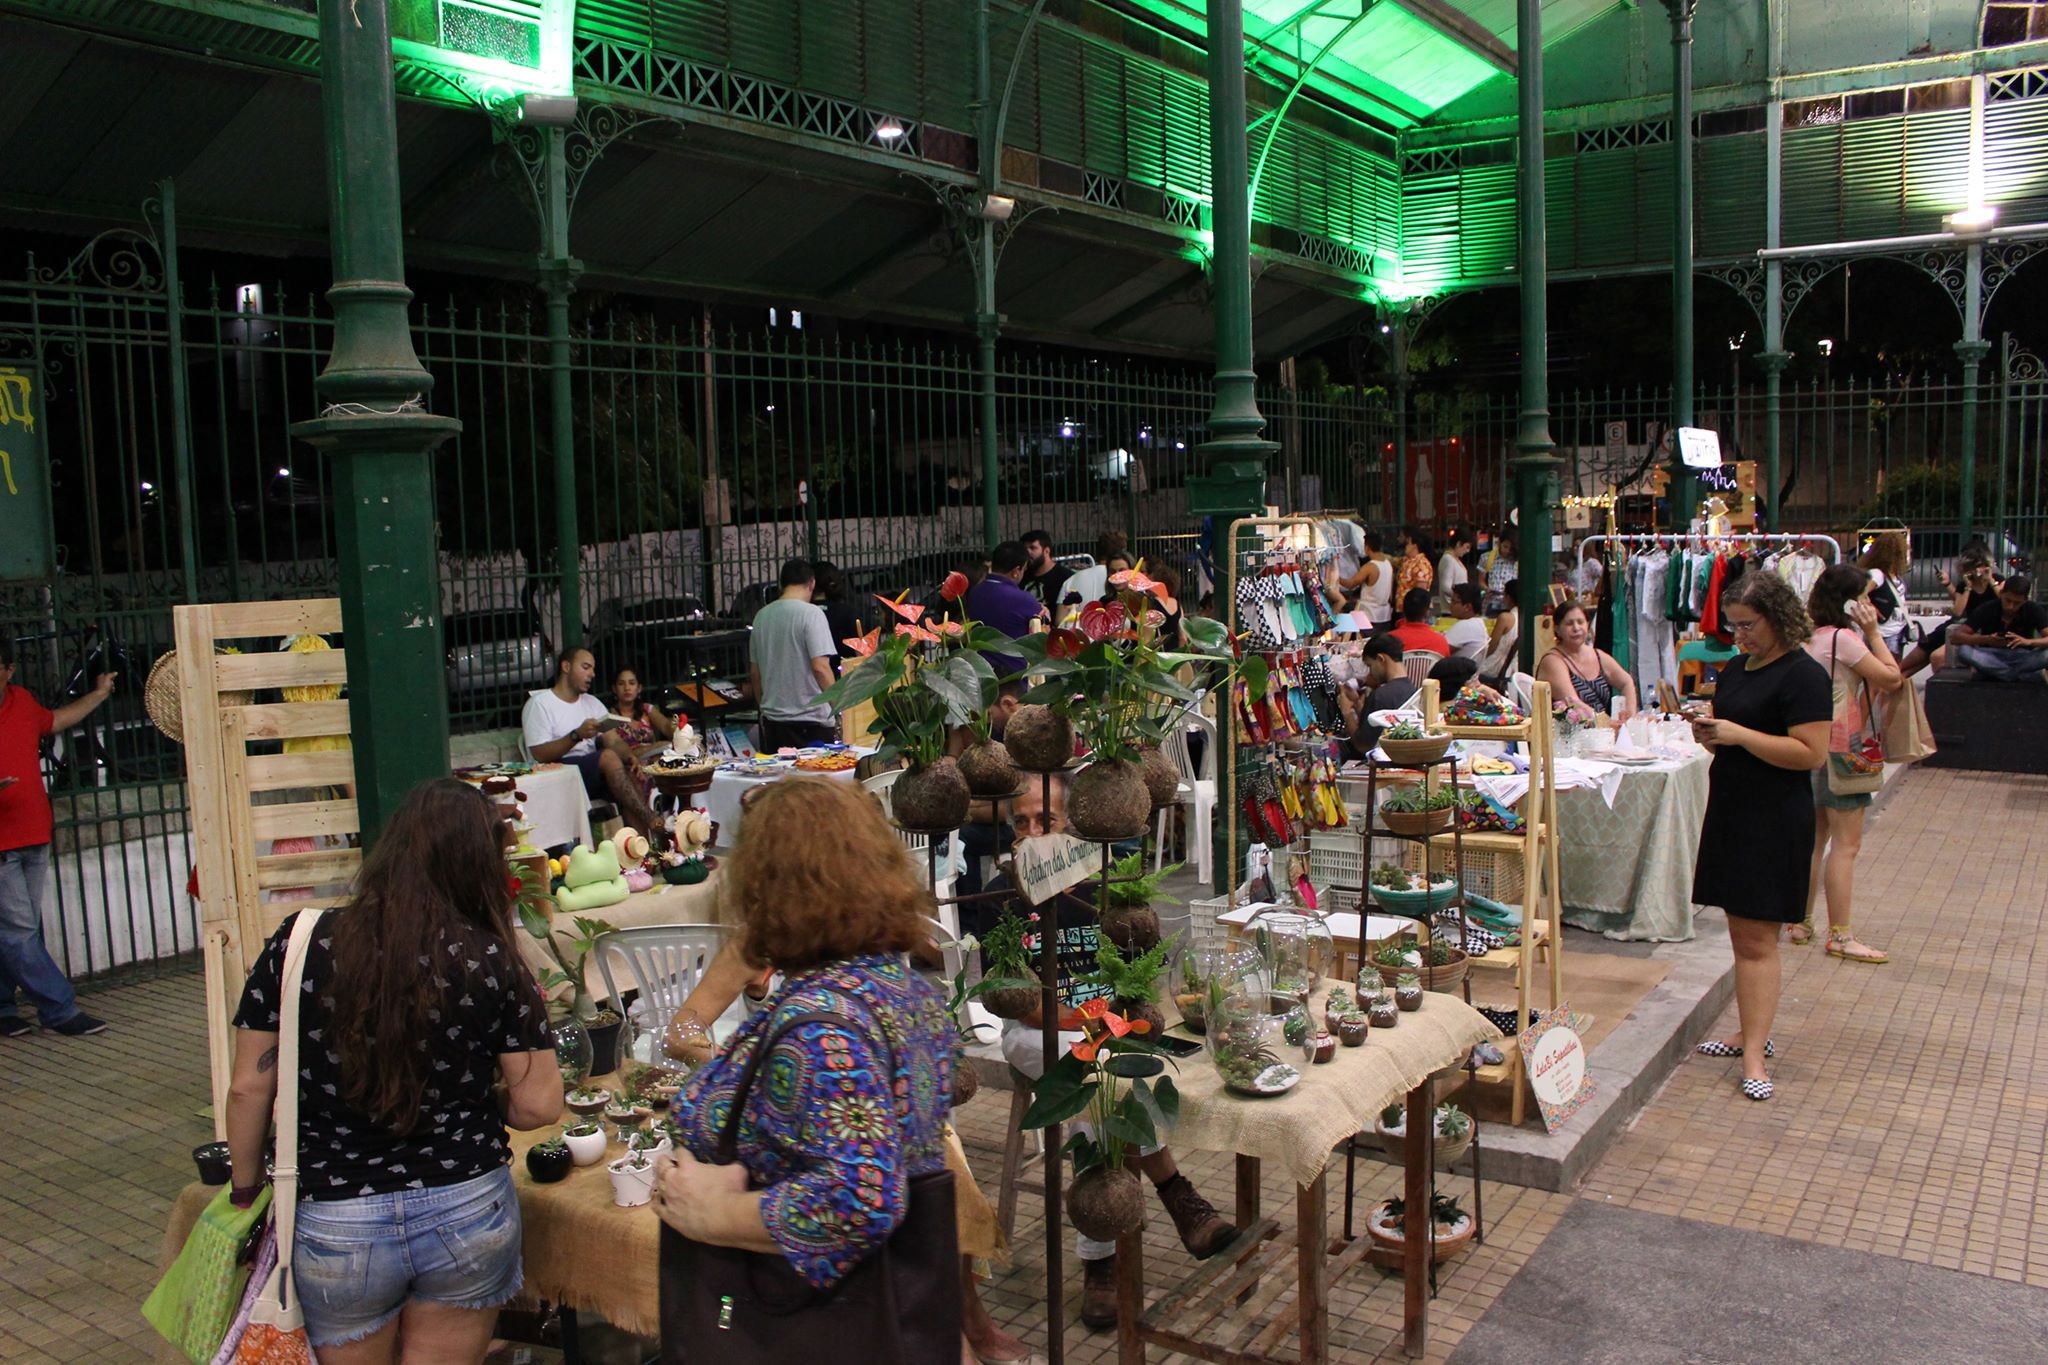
(1535, 465)
(1684, 486)
(988, 323)
(1236, 453)
(1971, 350)
(186, 481)
(558, 271)
(376, 432)
(1397, 340)
(1774, 363)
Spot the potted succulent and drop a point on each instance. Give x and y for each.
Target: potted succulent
(1408, 993)
(586, 1142)
(549, 1161)
(1420, 809)
(1323, 1048)
(1410, 893)
(926, 678)
(627, 1110)
(1110, 1074)
(1336, 1005)
(1010, 988)
(1406, 742)
(1351, 1030)
(1111, 679)
(653, 1141)
(587, 1101)
(632, 1179)
(1128, 917)
(1450, 1230)
(1132, 983)
(1438, 965)
(1453, 1132)
(1383, 1011)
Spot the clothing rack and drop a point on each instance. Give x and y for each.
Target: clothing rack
(1786, 539)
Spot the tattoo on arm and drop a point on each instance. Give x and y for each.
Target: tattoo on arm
(268, 1061)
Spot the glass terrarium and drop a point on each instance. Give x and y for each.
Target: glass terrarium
(572, 1050)
(1260, 1042)
(1297, 948)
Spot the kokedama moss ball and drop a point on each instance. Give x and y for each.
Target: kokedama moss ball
(1106, 1204)
(1162, 778)
(989, 770)
(1133, 928)
(1039, 739)
(932, 798)
(1108, 801)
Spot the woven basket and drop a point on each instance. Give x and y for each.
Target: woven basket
(161, 697)
(1417, 821)
(1448, 977)
(1426, 750)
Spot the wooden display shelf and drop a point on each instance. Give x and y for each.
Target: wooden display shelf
(1509, 958)
(1496, 841)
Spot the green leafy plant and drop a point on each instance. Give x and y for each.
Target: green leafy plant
(1405, 729)
(587, 1128)
(553, 1146)
(569, 957)
(1443, 1210)
(1129, 980)
(1418, 799)
(1394, 953)
(1131, 884)
(926, 678)
(1111, 1074)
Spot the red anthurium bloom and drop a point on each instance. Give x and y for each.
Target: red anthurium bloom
(864, 645)
(1098, 1011)
(949, 628)
(1100, 620)
(1086, 1049)
(910, 612)
(917, 633)
(955, 586)
(1132, 580)
(1141, 1025)
(1065, 644)
(1155, 618)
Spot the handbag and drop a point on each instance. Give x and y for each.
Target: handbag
(195, 1303)
(1908, 737)
(901, 1304)
(1858, 768)
(276, 1334)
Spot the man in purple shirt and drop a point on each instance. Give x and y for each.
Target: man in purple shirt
(1000, 604)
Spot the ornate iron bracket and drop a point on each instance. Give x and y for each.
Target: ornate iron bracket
(1746, 278)
(2003, 259)
(124, 259)
(597, 127)
(962, 207)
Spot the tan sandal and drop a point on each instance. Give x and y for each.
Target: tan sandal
(1801, 934)
(1843, 944)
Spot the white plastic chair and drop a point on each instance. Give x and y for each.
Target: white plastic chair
(1418, 662)
(1525, 691)
(1197, 791)
(916, 846)
(666, 962)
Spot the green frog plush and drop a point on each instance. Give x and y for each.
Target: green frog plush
(593, 880)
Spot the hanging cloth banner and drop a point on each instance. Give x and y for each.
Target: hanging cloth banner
(26, 546)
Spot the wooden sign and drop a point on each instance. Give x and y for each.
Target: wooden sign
(1555, 1058)
(1047, 864)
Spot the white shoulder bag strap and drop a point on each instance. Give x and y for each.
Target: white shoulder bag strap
(279, 1305)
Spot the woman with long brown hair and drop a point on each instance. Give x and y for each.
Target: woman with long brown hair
(422, 1036)
(1885, 559)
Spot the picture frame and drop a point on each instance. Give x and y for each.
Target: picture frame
(715, 743)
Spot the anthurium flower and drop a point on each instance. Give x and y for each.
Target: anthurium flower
(1065, 643)
(913, 611)
(955, 586)
(1098, 1011)
(1086, 1049)
(1100, 620)
(864, 645)
(917, 633)
(949, 628)
(1132, 580)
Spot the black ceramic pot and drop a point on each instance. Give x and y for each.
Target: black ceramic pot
(604, 1047)
(212, 1160)
(547, 1166)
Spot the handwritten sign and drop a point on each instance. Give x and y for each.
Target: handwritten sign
(1555, 1058)
(1048, 864)
(1699, 448)
(25, 546)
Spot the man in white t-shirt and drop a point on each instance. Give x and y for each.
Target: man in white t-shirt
(789, 654)
(561, 725)
(1467, 634)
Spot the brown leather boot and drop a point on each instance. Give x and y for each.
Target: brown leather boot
(1202, 1230)
(1098, 1294)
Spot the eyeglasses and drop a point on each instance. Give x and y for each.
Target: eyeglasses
(1741, 627)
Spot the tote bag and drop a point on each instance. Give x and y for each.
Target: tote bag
(1857, 768)
(195, 1303)
(721, 1306)
(276, 1334)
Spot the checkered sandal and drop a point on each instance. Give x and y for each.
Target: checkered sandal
(1758, 1090)
(1714, 1047)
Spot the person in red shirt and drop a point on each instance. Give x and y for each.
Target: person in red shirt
(1414, 630)
(25, 962)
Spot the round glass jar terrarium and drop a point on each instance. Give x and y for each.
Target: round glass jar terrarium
(1297, 949)
(1260, 1042)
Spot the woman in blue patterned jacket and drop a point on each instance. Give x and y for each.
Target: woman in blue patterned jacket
(842, 1118)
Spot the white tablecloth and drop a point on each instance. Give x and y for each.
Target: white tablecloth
(721, 800)
(556, 806)
(1627, 864)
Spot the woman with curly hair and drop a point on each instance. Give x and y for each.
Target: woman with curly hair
(1769, 731)
(1886, 560)
(850, 1109)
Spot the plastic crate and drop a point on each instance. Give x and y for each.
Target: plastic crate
(1494, 875)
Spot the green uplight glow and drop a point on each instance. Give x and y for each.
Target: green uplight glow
(523, 45)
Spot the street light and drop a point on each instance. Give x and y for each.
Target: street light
(1978, 218)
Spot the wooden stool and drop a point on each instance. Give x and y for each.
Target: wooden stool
(1013, 1154)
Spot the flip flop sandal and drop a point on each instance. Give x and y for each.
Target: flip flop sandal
(1875, 957)
(1714, 1047)
(1805, 928)
(1758, 1090)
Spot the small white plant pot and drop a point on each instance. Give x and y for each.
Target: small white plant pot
(662, 1146)
(631, 1186)
(587, 1149)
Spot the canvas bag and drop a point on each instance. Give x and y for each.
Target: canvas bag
(194, 1305)
(276, 1334)
(1908, 737)
(1858, 768)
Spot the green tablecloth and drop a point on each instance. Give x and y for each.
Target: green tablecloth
(1627, 869)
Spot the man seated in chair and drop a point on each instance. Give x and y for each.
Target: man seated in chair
(2005, 640)
(561, 725)
(1202, 1230)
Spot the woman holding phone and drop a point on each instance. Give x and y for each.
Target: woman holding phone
(1768, 730)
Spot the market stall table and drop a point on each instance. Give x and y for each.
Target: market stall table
(1626, 865)
(730, 785)
(556, 805)
(1296, 1132)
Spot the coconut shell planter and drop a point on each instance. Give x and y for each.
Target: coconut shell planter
(1107, 802)
(1039, 739)
(931, 798)
(989, 770)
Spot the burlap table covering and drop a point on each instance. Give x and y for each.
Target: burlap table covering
(1293, 1133)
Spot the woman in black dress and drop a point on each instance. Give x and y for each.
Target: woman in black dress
(1769, 732)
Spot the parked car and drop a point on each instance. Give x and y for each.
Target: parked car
(637, 634)
(1935, 549)
(494, 659)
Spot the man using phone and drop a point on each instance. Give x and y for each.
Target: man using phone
(563, 723)
(2005, 640)
(25, 825)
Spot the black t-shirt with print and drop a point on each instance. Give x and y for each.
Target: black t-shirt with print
(490, 1006)
(2029, 622)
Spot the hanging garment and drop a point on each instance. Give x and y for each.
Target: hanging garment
(1624, 620)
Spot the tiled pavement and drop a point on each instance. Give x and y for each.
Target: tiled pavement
(1909, 1121)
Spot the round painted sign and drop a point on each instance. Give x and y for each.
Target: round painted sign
(1557, 1066)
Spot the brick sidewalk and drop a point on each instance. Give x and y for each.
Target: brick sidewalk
(1908, 1121)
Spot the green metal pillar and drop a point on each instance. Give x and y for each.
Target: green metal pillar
(1535, 465)
(1971, 350)
(988, 323)
(376, 431)
(181, 402)
(1235, 483)
(1684, 486)
(558, 271)
(1774, 363)
(1397, 344)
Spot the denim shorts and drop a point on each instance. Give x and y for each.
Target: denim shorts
(358, 1262)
